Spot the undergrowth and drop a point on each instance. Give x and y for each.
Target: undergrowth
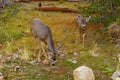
(16, 37)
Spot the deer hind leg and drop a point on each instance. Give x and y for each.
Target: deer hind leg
(35, 47)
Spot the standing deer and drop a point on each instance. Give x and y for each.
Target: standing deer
(44, 34)
(82, 22)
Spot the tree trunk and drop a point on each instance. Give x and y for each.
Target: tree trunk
(111, 6)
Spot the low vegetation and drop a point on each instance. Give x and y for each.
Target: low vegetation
(17, 43)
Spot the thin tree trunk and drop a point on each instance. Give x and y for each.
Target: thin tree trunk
(111, 6)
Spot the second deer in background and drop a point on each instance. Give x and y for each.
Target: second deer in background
(82, 22)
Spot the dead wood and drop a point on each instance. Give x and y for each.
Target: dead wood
(55, 8)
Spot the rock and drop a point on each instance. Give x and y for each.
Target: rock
(15, 56)
(32, 62)
(16, 68)
(63, 54)
(46, 62)
(76, 54)
(117, 78)
(1, 76)
(73, 60)
(83, 73)
(116, 75)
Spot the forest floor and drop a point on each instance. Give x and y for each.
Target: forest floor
(17, 44)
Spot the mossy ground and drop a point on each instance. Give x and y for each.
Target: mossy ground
(16, 38)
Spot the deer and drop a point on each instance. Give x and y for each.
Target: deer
(43, 33)
(82, 22)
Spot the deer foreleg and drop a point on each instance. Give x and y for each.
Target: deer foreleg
(40, 52)
(83, 40)
(44, 52)
(79, 36)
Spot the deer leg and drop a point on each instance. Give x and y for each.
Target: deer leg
(40, 51)
(43, 49)
(83, 40)
(35, 47)
(78, 36)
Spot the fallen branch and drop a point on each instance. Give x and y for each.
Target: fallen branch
(73, 0)
(21, 0)
(55, 8)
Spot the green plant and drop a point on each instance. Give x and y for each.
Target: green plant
(100, 12)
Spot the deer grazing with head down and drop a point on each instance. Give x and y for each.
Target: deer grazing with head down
(44, 35)
(82, 22)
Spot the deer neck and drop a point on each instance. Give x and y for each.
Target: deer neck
(50, 43)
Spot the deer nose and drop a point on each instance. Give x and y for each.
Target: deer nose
(54, 59)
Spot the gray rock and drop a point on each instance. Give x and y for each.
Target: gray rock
(116, 75)
(1, 76)
(16, 68)
(73, 60)
(83, 73)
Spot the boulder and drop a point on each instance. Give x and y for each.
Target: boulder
(83, 73)
(1, 76)
(116, 75)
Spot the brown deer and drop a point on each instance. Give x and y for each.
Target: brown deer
(82, 22)
(44, 35)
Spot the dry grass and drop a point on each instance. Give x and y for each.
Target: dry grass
(60, 24)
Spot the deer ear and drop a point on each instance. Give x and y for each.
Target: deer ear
(59, 47)
(79, 17)
(87, 19)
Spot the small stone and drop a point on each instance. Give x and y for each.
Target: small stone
(15, 56)
(117, 78)
(1, 76)
(46, 62)
(75, 54)
(39, 74)
(62, 55)
(16, 68)
(32, 62)
(115, 75)
(73, 60)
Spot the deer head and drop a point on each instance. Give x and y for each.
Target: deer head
(82, 21)
(53, 54)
